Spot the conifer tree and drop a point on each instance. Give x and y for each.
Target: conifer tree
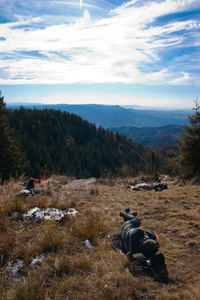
(13, 161)
(189, 145)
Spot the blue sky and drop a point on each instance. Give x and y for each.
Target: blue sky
(139, 52)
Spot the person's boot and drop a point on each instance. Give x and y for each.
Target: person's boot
(134, 213)
(126, 211)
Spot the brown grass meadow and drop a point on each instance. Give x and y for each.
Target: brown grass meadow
(70, 270)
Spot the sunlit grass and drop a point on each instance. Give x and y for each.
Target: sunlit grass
(70, 270)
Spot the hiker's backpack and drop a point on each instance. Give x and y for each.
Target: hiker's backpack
(152, 236)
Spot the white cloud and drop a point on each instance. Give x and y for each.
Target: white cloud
(95, 51)
(81, 4)
(182, 80)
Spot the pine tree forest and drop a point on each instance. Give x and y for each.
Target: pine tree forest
(13, 162)
(72, 146)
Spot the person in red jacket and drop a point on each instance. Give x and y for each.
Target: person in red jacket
(44, 172)
(30, 183)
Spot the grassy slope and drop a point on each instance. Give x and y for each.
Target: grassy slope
(72, 271)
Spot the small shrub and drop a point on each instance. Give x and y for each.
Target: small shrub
(41, 202)
(62, 265)
(7, 242)
(88, 228)
(3, 219)
(30, 290)
(50, 240)
(18, 204)
(93, 192)
(82, 265)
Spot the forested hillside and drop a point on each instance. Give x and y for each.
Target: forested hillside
(72, 146)
(13, 160)
(153, 137)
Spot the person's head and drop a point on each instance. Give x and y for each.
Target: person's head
(148, 245)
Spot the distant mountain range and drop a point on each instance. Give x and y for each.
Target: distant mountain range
(153, 137)
(157, 108)
(109, 116)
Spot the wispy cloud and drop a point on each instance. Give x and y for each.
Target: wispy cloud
(110, 49)
(81, 4)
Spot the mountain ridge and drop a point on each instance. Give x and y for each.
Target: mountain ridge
(153, 137)
(116, 116)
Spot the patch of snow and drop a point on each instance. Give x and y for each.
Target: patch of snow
(13, 268)
(72, 212)
(88, 244)
(54, 214)
(32, 212)
(47, 214)
(16, 215)
(36, 261)
(50, 213)
(24, 192)
(127, 270)
(143, 185)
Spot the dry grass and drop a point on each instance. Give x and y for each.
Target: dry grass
(70, 270)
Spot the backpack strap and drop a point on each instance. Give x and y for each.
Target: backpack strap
(152, 235)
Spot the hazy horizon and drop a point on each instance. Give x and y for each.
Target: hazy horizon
(136, 107)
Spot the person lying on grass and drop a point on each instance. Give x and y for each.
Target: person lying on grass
(141, 245)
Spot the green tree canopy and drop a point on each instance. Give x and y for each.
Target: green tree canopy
(13, 162)
(189, 145)
(72, 146)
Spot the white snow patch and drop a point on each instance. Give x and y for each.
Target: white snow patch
(47, 214)
(13, 268)
(37, 261)
(72, 212)
(127, 270)
(88, 244)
